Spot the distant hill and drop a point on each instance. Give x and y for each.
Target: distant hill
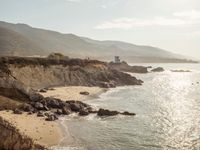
(13, 43)
(22, 39)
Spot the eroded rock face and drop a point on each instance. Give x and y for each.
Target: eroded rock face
(14, 140)
(26, 75)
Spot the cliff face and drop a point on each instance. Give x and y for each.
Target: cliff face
(22, 75)
(11, 138)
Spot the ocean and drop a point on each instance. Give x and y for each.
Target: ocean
(167, 108)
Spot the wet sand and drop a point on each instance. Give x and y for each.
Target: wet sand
(73, 92)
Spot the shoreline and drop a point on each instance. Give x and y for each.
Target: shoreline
(50, 134)
(95, 92)
(73, 92)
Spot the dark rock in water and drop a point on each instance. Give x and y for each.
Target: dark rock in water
(51, 117)
(17, 111)
(85, 93)
(83, 112)
(106, 112)
(75, 107)
(66, 110)
(43, 91)
(36, 97)
(59, 112)
(128, 113)
(38, 106)
(91, 110)
(40, 114)
(158, 69)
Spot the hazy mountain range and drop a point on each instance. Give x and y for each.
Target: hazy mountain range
(24, 40)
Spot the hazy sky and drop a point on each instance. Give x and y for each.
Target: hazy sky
(173, 25)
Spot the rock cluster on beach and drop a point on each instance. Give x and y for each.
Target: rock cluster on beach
(51, 108)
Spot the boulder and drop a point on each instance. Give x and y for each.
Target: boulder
(36, 97)
(27, 108)
(106, 112)
(85, 93)
(43, 90)
(83, 112)
(66, 110)
(51, 117)
(40, 114)
(75, 107)
(17, 111)
(128, 113)
(158, 69)
(38, 106)
(46, 108)
(53, 102)
(59, 112)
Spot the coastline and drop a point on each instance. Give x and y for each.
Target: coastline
(50, 134)
(71, 93)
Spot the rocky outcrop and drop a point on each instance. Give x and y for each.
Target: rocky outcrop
(123, 66)
(12, 139)
(23, 76)
(158, 69)
(106, 112)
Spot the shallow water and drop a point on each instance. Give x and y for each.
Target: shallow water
(168, 115)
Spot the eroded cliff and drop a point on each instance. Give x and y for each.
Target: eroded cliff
(12, 139)
(23, 75)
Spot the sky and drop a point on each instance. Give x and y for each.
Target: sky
(173, 25)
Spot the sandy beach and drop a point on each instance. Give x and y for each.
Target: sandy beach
(41, 131)
(73, 92)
